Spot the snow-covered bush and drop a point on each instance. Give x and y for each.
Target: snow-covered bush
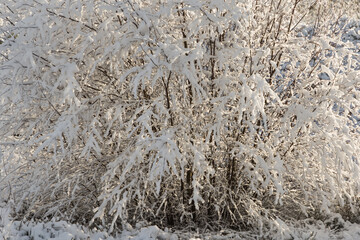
(210, 113)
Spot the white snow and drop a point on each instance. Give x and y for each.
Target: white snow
(334, 228)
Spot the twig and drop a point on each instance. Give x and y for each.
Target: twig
(71, 19)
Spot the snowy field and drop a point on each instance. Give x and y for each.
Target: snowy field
(334, 228)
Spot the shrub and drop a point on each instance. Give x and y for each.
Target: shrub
(180, 113)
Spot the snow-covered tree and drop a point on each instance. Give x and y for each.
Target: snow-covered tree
(208, 113)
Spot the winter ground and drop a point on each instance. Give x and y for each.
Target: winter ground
(335, 228)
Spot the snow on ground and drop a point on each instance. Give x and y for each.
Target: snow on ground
(334, 228)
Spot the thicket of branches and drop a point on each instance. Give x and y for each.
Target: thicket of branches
(179, 113)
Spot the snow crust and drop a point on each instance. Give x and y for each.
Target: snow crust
(333, 228)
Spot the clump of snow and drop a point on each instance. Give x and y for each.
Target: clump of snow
(352, 32)
(57, 230)
(151, 232)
